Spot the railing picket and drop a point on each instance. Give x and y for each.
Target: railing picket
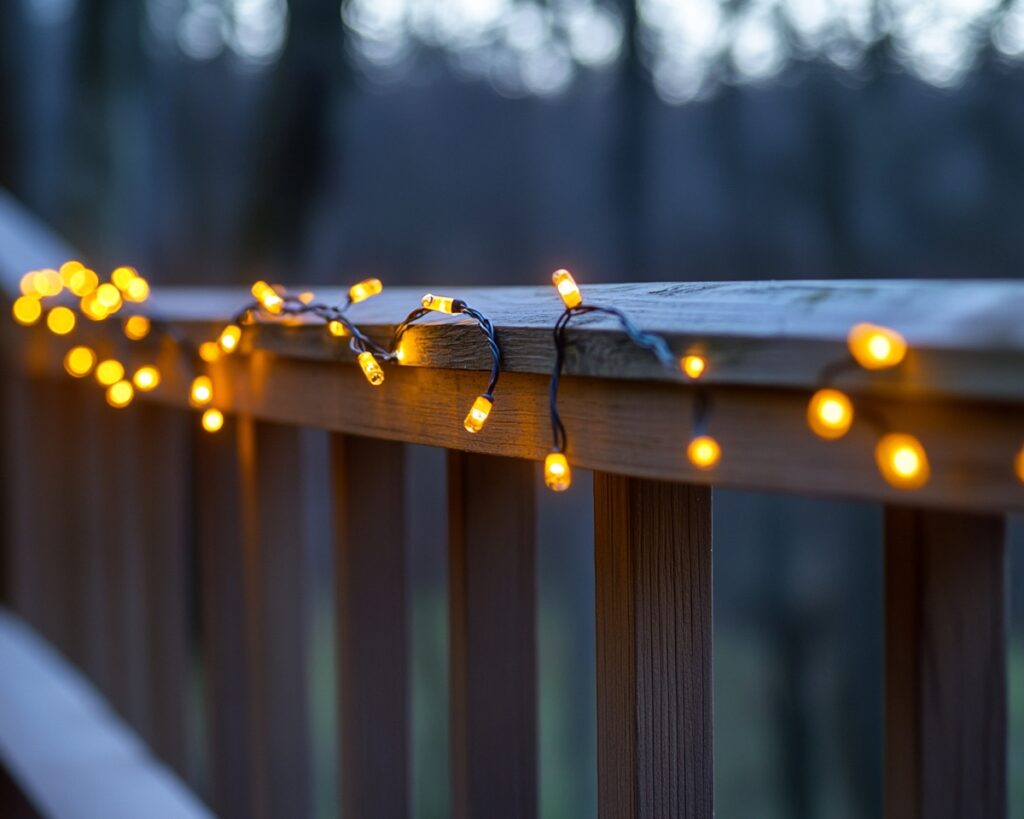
(492, 590)
(945, 737)
(370, 566)
(653, 597)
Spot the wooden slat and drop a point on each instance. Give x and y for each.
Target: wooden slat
(945, 737)
(218, 497)
(274, 566)
(652, 546)
(166, 511)
(493, 642)
(370, 567)
(65, 749)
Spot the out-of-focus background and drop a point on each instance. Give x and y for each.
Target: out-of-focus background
(489, 141)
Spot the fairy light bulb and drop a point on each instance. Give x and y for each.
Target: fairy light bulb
(120, 394)
(136, 327)
(306, 297)
(875, 347)
(212, 420)
(229, 338)
(336, 328)
(371, 369)
(829, 414)
(440, 304)
(693, 366)
(209, 351)
(137, 290)
(269, 299)
(47, 282)
(201, 392)
(122, 277)
(68, 270)
(79, 362)
(109, 372)
(60, 320)
(146, 378)
(567, 288)
(902, 461)
(27, 310)
(109, 296)
(92, 309)
(83, 282)
(364, 290)
(477, 416)
(557, 474)
(27, 284)
(1018, 464)
(704, 452)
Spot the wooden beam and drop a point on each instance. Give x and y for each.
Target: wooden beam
(945, 652)
(370, 592)
(652, 549)
(492, 601)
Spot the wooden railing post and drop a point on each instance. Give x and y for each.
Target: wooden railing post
(945, 677)
(370, 591)
(653, 597)
(493, 640)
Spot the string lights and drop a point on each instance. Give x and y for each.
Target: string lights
(900, 457)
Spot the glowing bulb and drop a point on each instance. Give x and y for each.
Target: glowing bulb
(442, 304)
(829, 414)
(27, 310)
(92, 309)
(902, 461)
(229, 338)
(371, 369)
(122, 277)
(27, 284)
(120, 394)
(364, 290)
(693, 366)
(478, 413)
(704, 452)
(1018, 464)
(79, 361)
(557, 474)
(213, 420)
(109, 372)
(336, 328)
(83, 282)
(146, 378)
(109, 296)
(136, 327)
(201, 393)
(137, 290)
(307, 296)
(269, 299)
(68, 270)
(47, 282)
(875, 347)
(209, 351)
(567, 288)
(60, 320)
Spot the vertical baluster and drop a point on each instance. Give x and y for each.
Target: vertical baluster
(218, 497)
(653, 598)
(493, 641)
(165, 512)
(369, 501)
(945, 680)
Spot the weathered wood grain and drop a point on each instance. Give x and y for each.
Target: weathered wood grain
(372, 628)
(492, 600)
(652, 553)
(945, 652)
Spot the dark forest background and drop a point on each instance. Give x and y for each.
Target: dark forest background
(490, 141)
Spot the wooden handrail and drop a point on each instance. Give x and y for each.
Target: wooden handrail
(767, 344)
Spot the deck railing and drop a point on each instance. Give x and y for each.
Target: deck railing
(102, 506)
